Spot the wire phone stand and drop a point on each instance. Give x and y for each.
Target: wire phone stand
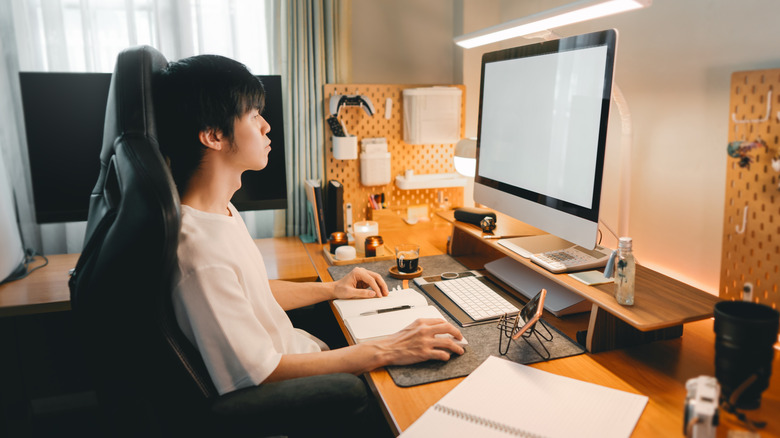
(509, 326)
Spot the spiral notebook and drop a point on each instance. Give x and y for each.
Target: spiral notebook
(505, 399)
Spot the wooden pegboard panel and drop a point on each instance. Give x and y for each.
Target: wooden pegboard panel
(752, 254)
(423, 159)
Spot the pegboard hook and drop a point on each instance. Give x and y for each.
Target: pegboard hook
(741, 229)
(761, 120)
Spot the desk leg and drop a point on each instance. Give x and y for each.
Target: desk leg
(607, 332)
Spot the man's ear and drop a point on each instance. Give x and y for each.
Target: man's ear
(212, 138)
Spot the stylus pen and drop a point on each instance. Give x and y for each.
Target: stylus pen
(391, 309)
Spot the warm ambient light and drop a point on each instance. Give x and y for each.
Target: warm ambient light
(466, 157)
(568, 14)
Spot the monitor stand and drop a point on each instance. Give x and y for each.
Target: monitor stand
(527, 246)
(527, 282)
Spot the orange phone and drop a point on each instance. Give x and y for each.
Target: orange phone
(530, 313)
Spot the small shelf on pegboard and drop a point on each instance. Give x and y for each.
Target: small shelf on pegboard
(430, 181)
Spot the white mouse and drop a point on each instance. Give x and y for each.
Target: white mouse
(462, 342)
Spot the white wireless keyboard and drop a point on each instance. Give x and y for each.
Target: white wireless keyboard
(572, 259)
(475, 298)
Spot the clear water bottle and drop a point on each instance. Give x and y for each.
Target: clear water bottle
(625, 269)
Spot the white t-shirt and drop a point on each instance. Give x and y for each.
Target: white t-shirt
(224, 305)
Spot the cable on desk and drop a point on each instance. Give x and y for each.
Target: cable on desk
(24, 269)
(730, 406)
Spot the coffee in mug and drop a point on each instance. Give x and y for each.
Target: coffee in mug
(407, 257)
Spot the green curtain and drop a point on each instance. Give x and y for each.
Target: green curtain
(310, 59)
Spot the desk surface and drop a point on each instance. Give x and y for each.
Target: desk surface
(46, 290)
(658, 370)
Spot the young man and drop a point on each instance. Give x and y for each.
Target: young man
(211, 129)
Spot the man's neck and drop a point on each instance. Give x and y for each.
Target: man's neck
(210, 192)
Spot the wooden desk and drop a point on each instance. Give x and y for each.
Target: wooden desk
(286, 259)
(658, 370)
(46, 290)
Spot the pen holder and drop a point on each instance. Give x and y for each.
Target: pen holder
(345, 148)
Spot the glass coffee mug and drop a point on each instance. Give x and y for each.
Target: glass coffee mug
(407, 257)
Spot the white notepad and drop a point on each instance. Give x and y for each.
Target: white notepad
(504, 399)
(377, 326)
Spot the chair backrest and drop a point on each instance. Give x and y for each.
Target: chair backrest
(121, 287)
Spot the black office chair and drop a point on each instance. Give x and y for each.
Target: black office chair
(149, 379)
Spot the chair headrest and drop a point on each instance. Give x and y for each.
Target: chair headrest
(130, 108)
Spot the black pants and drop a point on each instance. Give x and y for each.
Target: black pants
(320, 321)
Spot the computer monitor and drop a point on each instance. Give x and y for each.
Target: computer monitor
(64, 115)
(543, 114)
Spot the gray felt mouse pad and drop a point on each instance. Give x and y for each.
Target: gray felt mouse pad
(483, 339)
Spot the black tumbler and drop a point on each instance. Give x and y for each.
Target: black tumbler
(745, 334)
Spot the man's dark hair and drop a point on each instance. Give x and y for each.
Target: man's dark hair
(196, 94)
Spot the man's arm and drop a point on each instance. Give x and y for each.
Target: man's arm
(415, 343)
(292, 295)
(360, 283)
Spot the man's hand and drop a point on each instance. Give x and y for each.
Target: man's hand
(418, 342)
(360, 283)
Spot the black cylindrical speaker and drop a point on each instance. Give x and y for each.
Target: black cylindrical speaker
(745, 334)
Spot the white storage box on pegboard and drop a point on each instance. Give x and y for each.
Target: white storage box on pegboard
(374, 162)
(432, 115)
(345, 148)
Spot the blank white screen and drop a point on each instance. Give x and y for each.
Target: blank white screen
(540, 122)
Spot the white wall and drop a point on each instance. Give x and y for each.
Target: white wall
(674, 66)
(402, 42)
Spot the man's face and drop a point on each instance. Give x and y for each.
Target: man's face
(250, 141)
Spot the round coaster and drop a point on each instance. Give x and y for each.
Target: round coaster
(394, 273)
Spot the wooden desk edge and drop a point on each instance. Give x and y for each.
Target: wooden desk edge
(34, 309)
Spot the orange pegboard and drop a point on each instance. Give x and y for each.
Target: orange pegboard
(751, 226)
(423, 159)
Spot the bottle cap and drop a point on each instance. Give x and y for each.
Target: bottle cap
(625, 243)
